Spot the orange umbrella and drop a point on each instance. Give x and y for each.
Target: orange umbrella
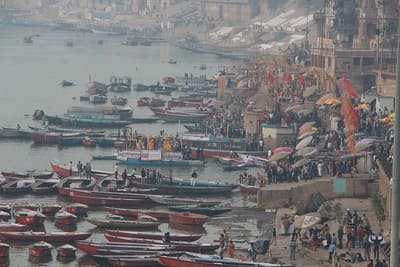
(332, 101)
(322, 99)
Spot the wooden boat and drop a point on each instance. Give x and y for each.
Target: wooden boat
(153, 235)
(178, 245)
(150, 102)
(124, 159)
(12, 227)
(45, 186)
(110, 223)
(187, 218)
(4, 250)
(24, 175)
(104, 157)
(201, 209)
(219, 146)
(40, 137)
(29, 217)
(174, 201)
(212, 261)
(66, 251)
(65, 83)
(107, 194)
(249, 189)
(75, 182)
(171, 61)
(120, 84)
(87, 142)
(98, 99)
(134, 213)
(16, 133)
(119, 101)
(77, 209)
(4, 216)
(40, 249)
(109, 248)
(63, 171)
(106, 201)
(5, 207)
(64, 217)
(196, 128)
(174, 116)
(183, 103)
(18, 186)
(174, 189)
(33, 207)
(63, 237)
(50, 209)
(148, 261)
(109, 183)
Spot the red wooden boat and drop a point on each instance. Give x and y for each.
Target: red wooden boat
(40, 249)
(249, 189)
(29, 217)
(182, 103)
(12, 227)
(4, 216)
(89, 142)
(33, 207)
(135, 262)
(107, 248)
(66, 251)
(64, 217)
(177, 245)
(4, 250)
(134, 213)
(50, 209)
(102, 201)
(77, 209)
(187, 218)
(64, 186)
(39, 137)
(64, 237)
(63, 171)
(153, 235)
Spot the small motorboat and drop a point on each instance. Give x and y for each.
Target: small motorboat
(50, 209)
(40, 249)
(60, 237)
(18, 186)
(77, 209)
(29, 217)
(4, 216)
(66, 251)
(120, 101)
(64, 217)
(88, 142)
(4, 250)
(66, 83)
(154, 235)
(45, 186)
(118, 223)
(12, 227)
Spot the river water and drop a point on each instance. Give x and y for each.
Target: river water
(30, 76)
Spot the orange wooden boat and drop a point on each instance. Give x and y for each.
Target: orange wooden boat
(187, 218)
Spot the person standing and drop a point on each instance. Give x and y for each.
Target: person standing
(274, 236)
(293, 246)
(70, 168)
(124, 176)
(143, 174)
(89, 170)
(221, 241)
(367, 250)
(116, 168)
(193, 179)
(231, 249)
(340, 236)
(79, 168)
(331, 251)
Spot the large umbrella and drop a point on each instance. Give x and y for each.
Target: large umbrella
(303, 143)
(363, 106)
(363, 146)
(322, 99)
(309, 91)
(283, 149)
(304, 130)
(306, 134)
(279, 156)
(300, 163)
(294, 108)
(307, 221)
(307, 125)
(305, 112)
(307, 151)
(332, 101)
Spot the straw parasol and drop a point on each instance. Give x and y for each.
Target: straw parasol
(309, 91)
(279, 156)
(363, 106)
(303, 143)
(322, 99)
(333, 101)
(294, 108)
(283, 149)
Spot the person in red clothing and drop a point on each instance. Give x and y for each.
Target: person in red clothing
(370, 263)
(231, 249)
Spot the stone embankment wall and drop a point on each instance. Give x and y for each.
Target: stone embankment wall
(282, 195)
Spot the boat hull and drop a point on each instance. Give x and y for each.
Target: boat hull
(187, 218)
(106, 201)
(123, 224)
(160, 215)
(64, 237)
(161, 163)
(154, 235)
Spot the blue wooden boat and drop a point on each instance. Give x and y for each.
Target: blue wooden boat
(71, 141)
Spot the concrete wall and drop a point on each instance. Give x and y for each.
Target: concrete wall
(279, 195)
(275, 136)
(385, 189)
